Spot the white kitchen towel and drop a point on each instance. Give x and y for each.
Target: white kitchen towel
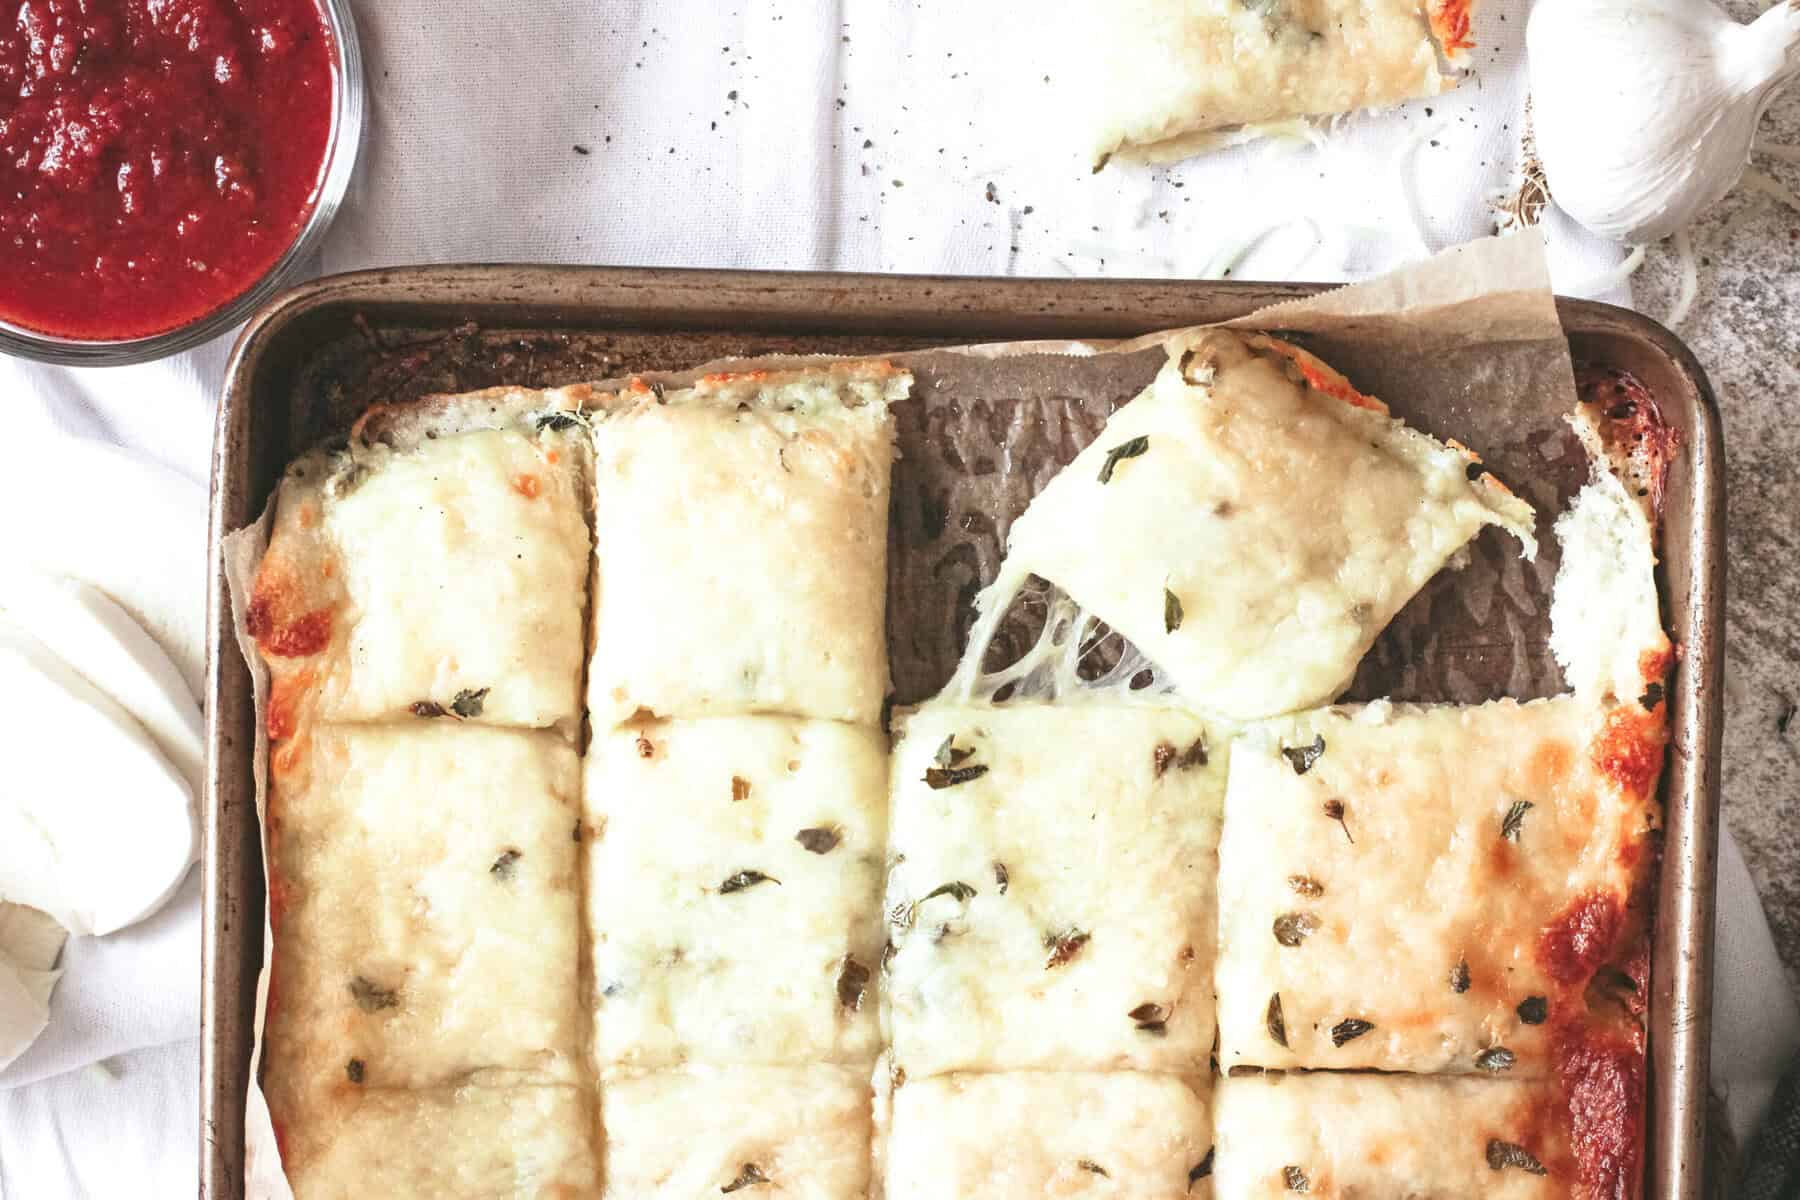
(853, 135)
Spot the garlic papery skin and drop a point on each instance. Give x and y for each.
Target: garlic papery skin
(1645, 110)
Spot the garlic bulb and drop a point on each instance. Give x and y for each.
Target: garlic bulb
(1645, 110)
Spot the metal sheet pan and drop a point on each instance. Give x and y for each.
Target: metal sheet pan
(293, 379)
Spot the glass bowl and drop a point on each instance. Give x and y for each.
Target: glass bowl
(341, 150)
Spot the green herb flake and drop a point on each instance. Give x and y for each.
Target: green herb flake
(1171, 611)
(1121, 452)
(1459, 976)
(852, 982)
(1495, 1059)
(469, 702)
(1534, 1010)
(1306, 885)
(1514, 822)
(744, 879)
(1501, 1155)
(1064, 946)
(1151, 1019)
(557, 421)
(1093, 1168)
(427, 709)
(958, 891)
(1349, 1029)
(1295, 927)
(1295, 1179)
(506, 865)
(750, 1175)
(1653, 696)
(353, 1070)
(1002, 877)
(1302, 758)
(1277, 1023)
(371, 996)
(821, 840)
(1200, 1170)
(939, 778)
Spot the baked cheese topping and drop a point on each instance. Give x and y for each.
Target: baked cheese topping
(734, 890)
(424, 898)
(799, 1133)
(1262, 523)
(1390, 1135)
(474, 1140)
(742, 547)
(1425, 889)
(1160, 73)
(1048, 1133)
(444, 581)
(1050, 898)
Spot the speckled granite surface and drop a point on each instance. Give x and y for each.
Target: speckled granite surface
(1745, 329)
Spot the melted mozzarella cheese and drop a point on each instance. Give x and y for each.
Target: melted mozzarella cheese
(1261, 523)
(1405, 879)
(799, 1133)
(1050, 901)
(426, 899)
(734, 891)
(1048, 1133)
(1389, 1135)
(742, 548)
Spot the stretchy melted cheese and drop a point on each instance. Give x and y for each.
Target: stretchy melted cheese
(1428, 889)
(1160, 74)
(424, 898)
(1048, 1133)
(445, 577)
(1050, 901)
(734, 890)
(1251, 523)
(742, 533)
(479, 1141)
(1391, 1135)
(789, 1133)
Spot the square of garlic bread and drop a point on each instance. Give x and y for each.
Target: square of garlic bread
(492, 1140)
(1429, 889)
(1050, 893)
(734, 890)
(1047, 1133)
(1262, 522)
(441, 576)
(797, 1133)
(1329, 1134)
(742, 534)
(424, 884)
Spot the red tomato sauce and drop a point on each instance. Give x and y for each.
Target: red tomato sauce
(156, 156)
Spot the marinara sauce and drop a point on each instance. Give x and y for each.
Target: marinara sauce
(156, 156)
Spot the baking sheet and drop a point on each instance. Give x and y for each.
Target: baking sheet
(984, 431)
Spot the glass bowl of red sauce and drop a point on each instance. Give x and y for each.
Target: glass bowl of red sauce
(165, 166)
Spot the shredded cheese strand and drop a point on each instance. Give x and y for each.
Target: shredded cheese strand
(1690, 279)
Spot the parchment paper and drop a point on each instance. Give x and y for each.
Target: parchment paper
(1466, 345)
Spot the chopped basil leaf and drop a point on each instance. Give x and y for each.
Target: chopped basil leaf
(1302, 758)
(371, 996)
(1093, 1168)
(959, 891)
(1276, 1022)
(744, 879)
(1501, 1155)
(1534, 1010)
(749, 1176)
(822, 840)
(1514, 821)
(1064, 946)
(427, 708)
(1653, 696)
(1459, 976)
(1349, 1029)
(939, 778)
(1121, 452)
(469, 702)
(1496, 1059)
(1293, 928)
(852, 981)
(1171, 611)
(1201, 1169)
(1002, 877)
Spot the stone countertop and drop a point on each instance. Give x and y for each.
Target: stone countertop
(1745, 329)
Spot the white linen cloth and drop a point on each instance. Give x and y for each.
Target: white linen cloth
(771, 134)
